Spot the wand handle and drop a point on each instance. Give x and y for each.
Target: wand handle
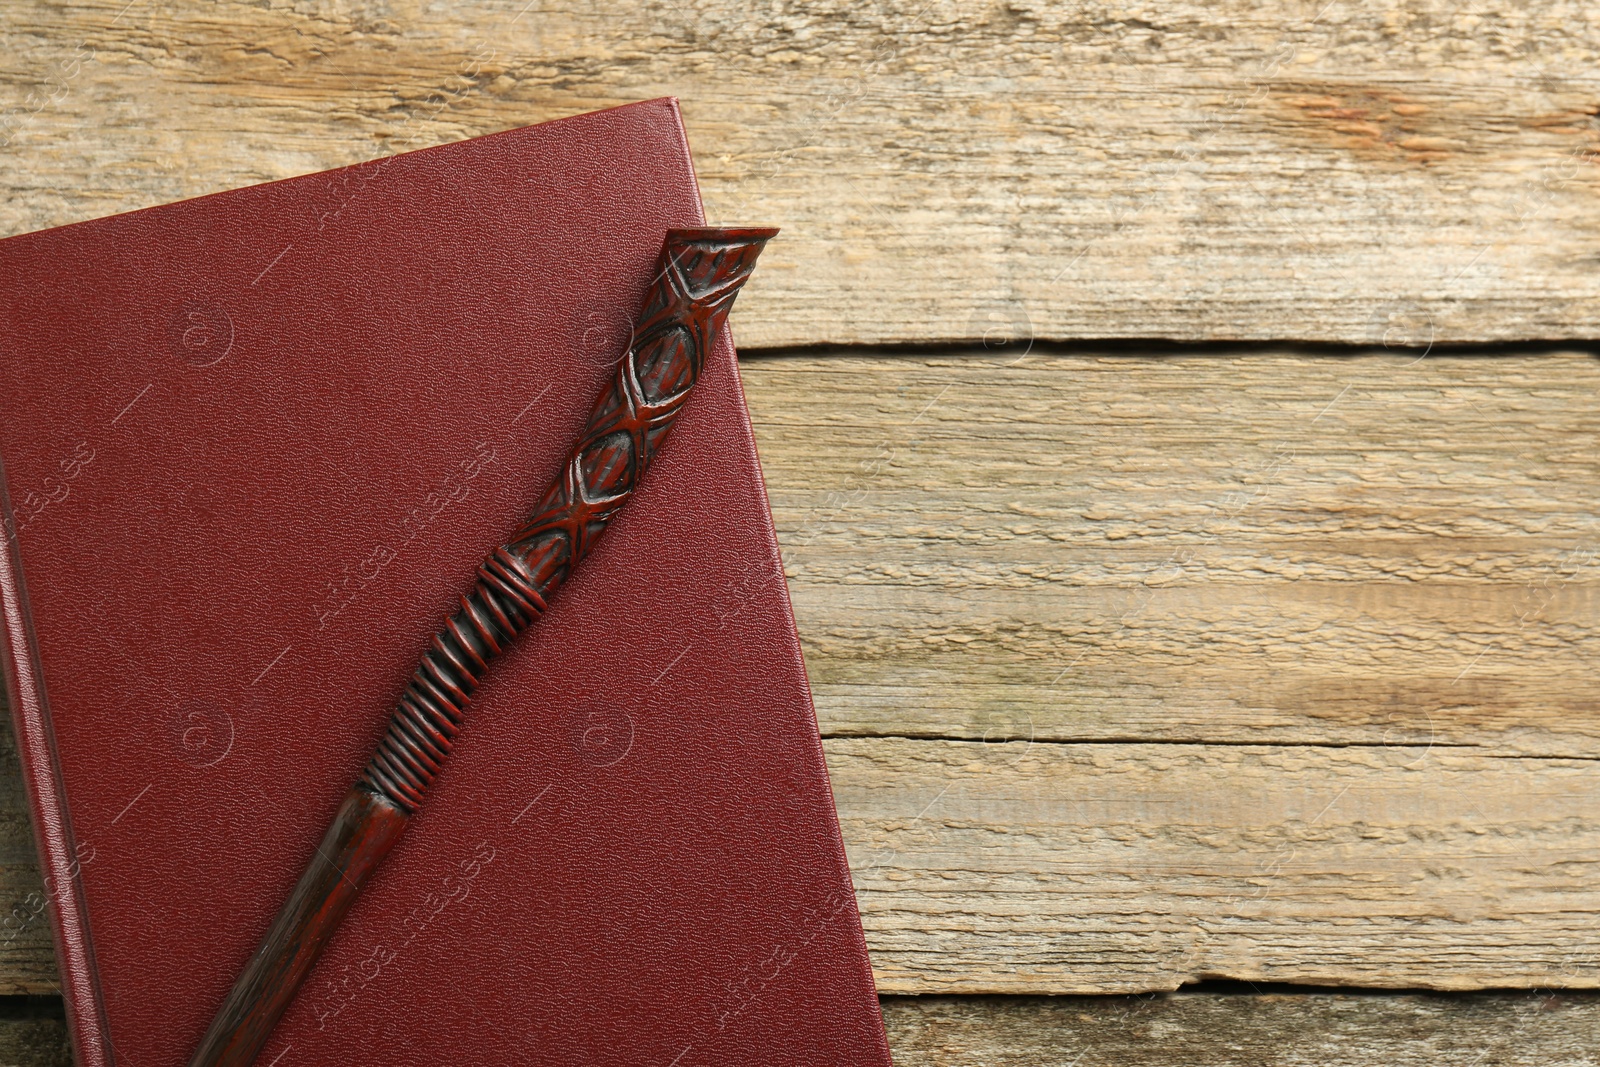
(697, 278)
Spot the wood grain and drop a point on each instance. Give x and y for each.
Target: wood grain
(1222, 547)
(1290, 170)
(1045, 867)
(32, 1040)
(27, 958)
(1274, 1030)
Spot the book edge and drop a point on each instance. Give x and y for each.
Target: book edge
(675, 106)
(58, 848)
(818, 758)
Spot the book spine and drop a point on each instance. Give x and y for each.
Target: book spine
(47, 801)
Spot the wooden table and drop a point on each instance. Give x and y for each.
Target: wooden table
(1180, 425)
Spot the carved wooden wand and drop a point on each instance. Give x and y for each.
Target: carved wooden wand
(698, 277)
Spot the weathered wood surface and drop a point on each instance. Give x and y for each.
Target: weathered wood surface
(27, 959)
(1383, 566)
(1046, 867)
(33, 1042)
(1274, 1030)
(1293, 169)
(1182, 1030)
(1228, 547)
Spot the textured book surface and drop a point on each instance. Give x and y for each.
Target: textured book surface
(254, 444)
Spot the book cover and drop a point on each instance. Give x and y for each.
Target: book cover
(254, 445)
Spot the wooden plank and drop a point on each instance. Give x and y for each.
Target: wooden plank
(1054, 868)
(1292, 169)
(1275, 1030)
(34, 1039)
(1226, 547)
(27, 957)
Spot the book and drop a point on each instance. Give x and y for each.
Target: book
(254, 445)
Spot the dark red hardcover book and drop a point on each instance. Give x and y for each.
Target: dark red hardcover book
(254, 445)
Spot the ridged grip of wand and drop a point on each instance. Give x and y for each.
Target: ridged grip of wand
(697, 278)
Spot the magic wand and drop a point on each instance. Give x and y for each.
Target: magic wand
(697, 278)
